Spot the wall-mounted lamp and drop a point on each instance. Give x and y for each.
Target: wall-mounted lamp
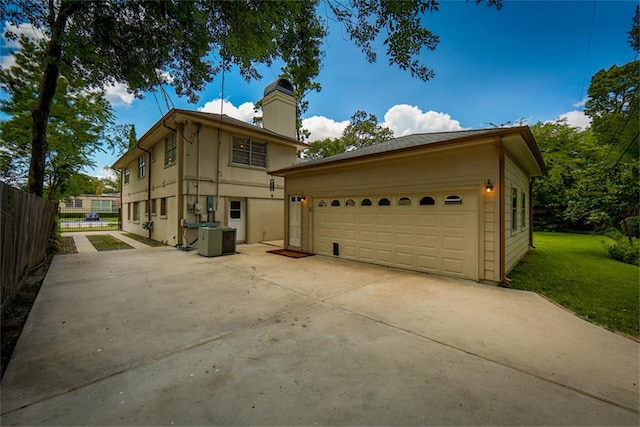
(303, 198)
(489, 186)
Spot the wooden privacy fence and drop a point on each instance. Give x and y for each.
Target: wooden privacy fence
(26, 222)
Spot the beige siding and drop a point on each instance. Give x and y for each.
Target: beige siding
(198, 154)
(265, 220)
(516, 240)
(462, 168)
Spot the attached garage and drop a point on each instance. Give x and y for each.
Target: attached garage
(435, 203)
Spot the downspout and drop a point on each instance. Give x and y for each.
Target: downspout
(148, 189)
(531, 212)
(215, 209)
(198, 127)
(501, 213)
(179, 177)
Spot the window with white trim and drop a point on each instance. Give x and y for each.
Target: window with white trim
(523, 213)
(142, 165)
(126, 175)
(249, 153)
(514, 209)
(170, 149)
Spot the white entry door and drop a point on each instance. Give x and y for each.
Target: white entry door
(237, 218)
(295, 221)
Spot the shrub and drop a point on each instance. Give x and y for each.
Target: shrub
(633, 223)
(624, 251)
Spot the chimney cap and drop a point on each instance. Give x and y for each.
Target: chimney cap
(280, 85)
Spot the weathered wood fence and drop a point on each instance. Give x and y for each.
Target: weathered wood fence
(26, 222)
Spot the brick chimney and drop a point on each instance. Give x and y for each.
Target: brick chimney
(279, 108)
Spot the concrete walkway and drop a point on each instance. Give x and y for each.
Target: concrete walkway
(157, 336)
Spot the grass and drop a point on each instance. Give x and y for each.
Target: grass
(575, 271)
(67, 246)
(106, 242)
(144, 240)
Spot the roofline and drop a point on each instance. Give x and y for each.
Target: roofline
(524, 131)
(217, 120)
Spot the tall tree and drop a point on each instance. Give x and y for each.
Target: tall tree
(613, 107)
(137, 42)
(79, 121)
(363, 130)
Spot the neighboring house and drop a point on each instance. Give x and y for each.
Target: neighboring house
(91, 203)
(451, 203)
(194, 168)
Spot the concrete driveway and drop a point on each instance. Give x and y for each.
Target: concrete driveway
(156, 336)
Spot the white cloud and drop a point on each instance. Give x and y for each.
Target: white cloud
(117, 94)
(244, 112)
(580, 103)
(9, 45)
(21, 30)
(7, 61)
(405, 119)
(577, 119)
(321, 127)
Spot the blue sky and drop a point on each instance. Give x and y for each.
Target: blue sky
(532, 60)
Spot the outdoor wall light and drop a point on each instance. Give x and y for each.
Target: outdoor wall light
(489, 186)
(303, 198)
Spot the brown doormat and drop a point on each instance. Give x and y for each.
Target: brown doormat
(289, 253)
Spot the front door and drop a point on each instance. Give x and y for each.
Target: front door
(237, 219)
(295, 221)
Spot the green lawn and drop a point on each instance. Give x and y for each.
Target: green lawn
(144, 240)
(575, 271)
(106, 242)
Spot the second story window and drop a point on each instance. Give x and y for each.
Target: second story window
(126, 175)
(170, 149)
(142, 164)
(249, 153)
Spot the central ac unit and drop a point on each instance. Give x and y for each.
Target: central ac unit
(216, 241)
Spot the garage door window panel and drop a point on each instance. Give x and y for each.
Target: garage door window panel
(322, 204)
(335, 203)
(384, 202)
(453, 200)
(404, 201)
(365, 202)
(427, 201)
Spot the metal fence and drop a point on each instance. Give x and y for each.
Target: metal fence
(85, 219)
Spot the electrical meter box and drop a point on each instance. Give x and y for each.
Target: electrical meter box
(216, 241)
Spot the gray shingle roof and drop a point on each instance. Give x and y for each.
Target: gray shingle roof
(401, 143)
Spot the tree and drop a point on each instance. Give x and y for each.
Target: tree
(613, 107)
(363, 130)
(79, 121)
(137, 42)
(634, 34)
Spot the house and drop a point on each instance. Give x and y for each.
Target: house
(194, 169)
(450, 203)
(91, 203)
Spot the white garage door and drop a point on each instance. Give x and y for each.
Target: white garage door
(432, 232)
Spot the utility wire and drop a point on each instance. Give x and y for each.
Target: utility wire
(586, 62)
(626, 149)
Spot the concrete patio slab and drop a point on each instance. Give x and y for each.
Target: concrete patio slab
(156, 336)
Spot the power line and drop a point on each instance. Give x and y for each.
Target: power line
(586, 62)
(626, 149)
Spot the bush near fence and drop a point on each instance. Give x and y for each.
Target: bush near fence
(26, 223)
(81, 214)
